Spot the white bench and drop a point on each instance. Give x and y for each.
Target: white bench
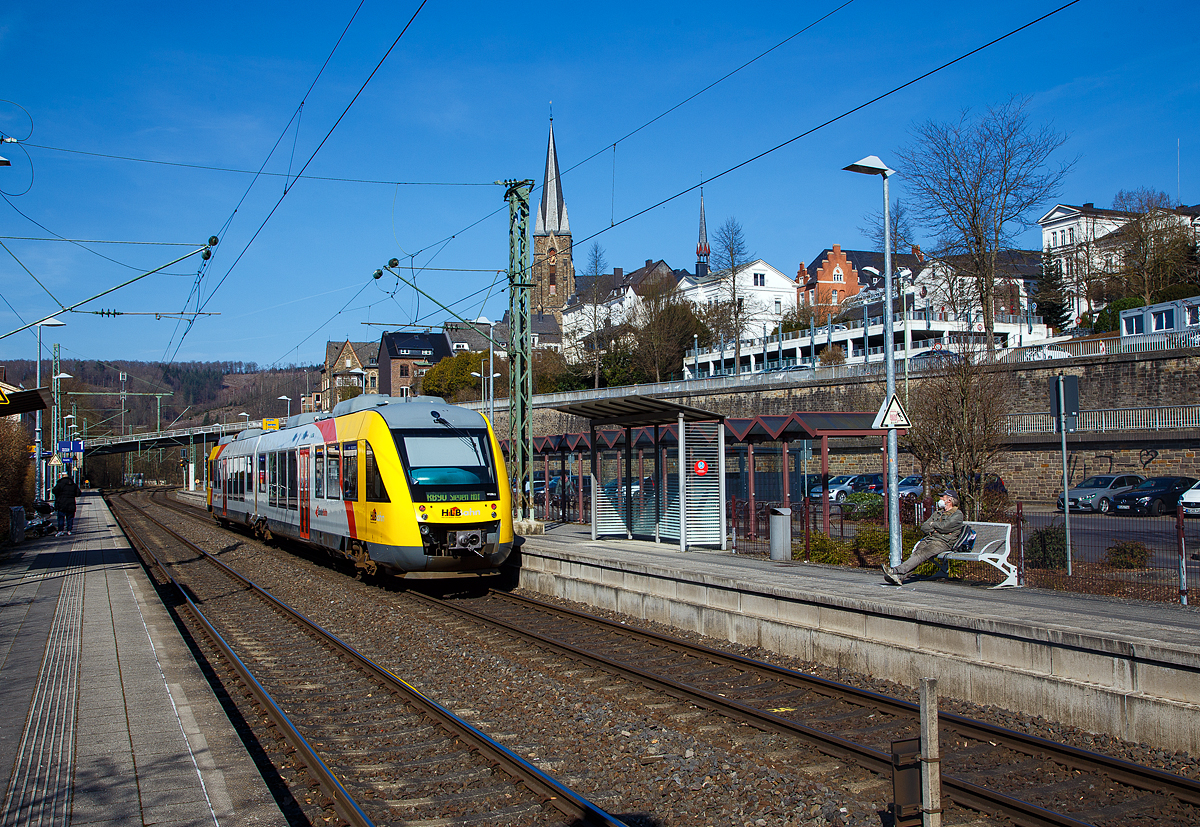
(991, 546)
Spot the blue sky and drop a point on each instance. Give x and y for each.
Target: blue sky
(464, 99)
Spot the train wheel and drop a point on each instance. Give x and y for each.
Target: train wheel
(362, 560)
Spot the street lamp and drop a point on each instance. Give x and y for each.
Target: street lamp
(871, 165)
(41, 476)
(287, 399)
(243, 413)
(483, 383)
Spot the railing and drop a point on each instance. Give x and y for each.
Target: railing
(1116, 419)
(219, 429)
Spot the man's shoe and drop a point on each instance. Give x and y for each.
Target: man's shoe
(890, 574)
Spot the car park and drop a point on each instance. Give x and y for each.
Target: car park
(1154, 496)
(839, 487)
(1096, 493)
(1191, 501)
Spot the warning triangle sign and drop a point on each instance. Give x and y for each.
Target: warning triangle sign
(3, 397)
(891, 415)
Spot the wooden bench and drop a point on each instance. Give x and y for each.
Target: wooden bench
(991, 546)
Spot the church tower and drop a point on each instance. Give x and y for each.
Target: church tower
(553, 273)
(702, 244)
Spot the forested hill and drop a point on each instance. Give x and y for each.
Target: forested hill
(192, 393)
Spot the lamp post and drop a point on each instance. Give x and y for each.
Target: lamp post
(41, 475)
(485, 381)
(287, 399)
(871, 165)
(56, 425)
(243, 413)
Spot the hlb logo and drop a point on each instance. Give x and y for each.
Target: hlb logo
(451, 512)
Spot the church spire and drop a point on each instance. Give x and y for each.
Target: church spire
(702, 245)
(552, 211)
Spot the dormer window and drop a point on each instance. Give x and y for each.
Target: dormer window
(347, 361)
(839, 277)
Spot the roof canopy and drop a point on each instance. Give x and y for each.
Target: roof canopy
(635, 411)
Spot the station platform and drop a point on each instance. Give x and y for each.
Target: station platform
(108, 719)
(1126, 668)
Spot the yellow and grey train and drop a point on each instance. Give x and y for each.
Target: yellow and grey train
(414, 487)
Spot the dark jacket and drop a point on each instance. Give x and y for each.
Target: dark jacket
(65, 491)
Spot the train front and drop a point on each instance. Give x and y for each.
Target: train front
(457, 484)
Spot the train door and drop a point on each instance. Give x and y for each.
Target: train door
(304, 493)
(224, 466)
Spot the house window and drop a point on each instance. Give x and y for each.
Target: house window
(347, 361)
(373, 383)
(1133, 325)
(460, 345)
(1054, 239)
(835, 297)
(838, 275)
(760, 279)
(1071, 230)
(1193, 315)
(778, 306)
(1164, 319)
(809, 297)
(404, 370)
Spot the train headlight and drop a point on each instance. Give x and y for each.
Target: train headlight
(425, 529)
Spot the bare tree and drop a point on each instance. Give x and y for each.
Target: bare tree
(665, 325)
(957, 416)
(977, 181)
(593, 294)
(730, 254)
(904, 233)
(1153, 247)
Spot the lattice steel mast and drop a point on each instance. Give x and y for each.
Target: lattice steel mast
(520, 348)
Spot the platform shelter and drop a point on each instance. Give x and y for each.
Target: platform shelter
(677, 492)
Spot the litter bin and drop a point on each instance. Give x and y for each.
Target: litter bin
(16, 524)
(781, 533)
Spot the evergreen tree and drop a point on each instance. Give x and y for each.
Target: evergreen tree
(1051, 296)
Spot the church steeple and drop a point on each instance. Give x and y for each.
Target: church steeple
(702, 245)
(552, 211)
(553, 269)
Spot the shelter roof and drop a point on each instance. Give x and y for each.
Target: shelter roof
(38, 399)
(633, 411)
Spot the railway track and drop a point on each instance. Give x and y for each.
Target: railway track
(379, 750)
(989, 769)
(1025, 779)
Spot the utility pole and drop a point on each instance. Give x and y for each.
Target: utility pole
(520, 374)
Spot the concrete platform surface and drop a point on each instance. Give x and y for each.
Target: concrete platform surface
(107, 717)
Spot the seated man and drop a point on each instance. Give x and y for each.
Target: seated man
(942, 531)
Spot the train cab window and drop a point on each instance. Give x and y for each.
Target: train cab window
(318, 476)
(273, 479)
(350, 471)
(293, 479)
(373, 487)
(333, 482)
(262, 473)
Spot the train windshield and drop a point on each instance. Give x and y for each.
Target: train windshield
(447, 465)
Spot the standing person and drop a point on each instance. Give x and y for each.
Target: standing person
(65, 491)
(942, 533)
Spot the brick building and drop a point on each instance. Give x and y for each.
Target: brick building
(405, 357)
(553, 267)
(347, 365)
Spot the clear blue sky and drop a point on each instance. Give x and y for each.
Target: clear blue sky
(464, 98)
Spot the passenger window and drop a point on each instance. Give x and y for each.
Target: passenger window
(292, 481)
(273, 479)
(372, 479)
(262, 473)
(318, 476)
(350, 471)
(333, 482)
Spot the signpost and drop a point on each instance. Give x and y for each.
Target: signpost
(1064, 410)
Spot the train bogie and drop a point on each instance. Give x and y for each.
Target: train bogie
(410, 486)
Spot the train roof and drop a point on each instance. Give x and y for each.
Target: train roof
(412, 412)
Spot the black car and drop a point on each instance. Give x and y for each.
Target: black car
(1153, 497)
(872, 483)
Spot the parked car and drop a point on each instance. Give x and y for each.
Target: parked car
(873, 483)
(839, 488)
(1153, 496)
(1096, 493)
(934, 359)
(1044, 353)
(1191, 501)
(805, 484)
(911, 486)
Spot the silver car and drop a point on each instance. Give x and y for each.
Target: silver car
(1096, 493)
(839, 487)
(911, 486)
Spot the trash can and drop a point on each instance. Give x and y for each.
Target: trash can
(781, 533)
(16, 524)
